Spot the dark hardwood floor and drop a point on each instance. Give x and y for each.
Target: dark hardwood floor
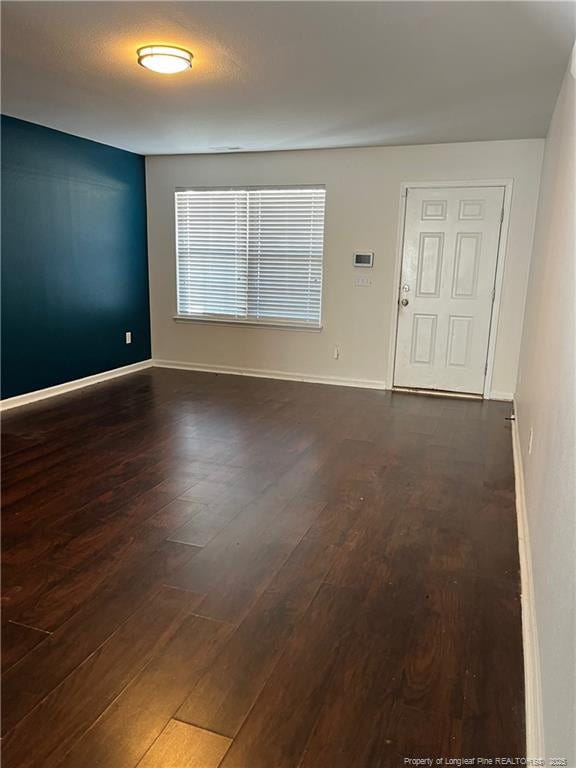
(205, 570)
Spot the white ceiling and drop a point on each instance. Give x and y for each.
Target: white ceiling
(287, 75)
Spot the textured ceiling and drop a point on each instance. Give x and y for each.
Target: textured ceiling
(286, 75)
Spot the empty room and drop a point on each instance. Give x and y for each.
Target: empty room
(288, 347)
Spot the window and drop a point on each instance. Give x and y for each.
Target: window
(250, 255)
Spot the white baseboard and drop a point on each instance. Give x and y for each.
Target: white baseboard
(507, 396)
(266, 374)
(532, 683)
(69, 386)
(60, 389)
(292, 376)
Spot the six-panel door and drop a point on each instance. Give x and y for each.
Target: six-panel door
(451, 238)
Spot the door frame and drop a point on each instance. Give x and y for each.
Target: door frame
(507, 184)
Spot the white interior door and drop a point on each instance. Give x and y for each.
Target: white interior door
(451, 238)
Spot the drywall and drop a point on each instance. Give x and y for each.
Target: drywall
(546, 404)
(362, 213)
(74, 262)
(279, 75)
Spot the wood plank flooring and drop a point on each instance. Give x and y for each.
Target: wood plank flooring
(205, 570)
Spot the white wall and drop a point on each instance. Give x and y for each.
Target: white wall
(363, 201)
(546, 403)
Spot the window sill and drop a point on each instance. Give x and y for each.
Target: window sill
(247, 324)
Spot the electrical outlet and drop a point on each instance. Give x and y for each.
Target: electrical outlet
(336, 353)
(128, 337)
(530, 440)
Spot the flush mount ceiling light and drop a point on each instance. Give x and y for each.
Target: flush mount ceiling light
(166, 59)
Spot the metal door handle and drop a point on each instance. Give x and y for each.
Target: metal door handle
(404, 302)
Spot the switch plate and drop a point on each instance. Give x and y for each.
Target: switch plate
(128, 337)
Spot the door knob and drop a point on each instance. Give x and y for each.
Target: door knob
(404, 302)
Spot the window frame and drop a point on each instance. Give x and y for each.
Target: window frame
(271, 323)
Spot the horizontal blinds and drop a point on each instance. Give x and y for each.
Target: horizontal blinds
(211, 248)
(285, 245)
(253, 255)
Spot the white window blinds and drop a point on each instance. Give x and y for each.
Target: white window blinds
(251, 255)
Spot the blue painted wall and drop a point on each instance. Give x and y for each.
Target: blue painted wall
(74, 258)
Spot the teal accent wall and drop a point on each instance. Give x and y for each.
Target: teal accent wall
(74, 258)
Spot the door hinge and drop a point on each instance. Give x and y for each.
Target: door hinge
(502, 215)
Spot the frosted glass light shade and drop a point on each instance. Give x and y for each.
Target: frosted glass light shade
(165, 59)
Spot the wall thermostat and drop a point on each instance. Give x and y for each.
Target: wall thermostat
(365, 259)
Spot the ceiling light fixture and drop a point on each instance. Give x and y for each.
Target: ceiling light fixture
(166, 59)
